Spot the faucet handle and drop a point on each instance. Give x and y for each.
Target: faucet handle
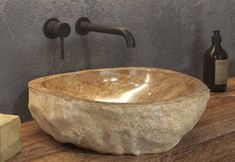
(53, 28)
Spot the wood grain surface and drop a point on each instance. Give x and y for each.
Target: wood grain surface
(212, 139)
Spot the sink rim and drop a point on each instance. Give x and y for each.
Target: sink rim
(36, 85)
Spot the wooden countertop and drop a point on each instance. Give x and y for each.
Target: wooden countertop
(212, 139)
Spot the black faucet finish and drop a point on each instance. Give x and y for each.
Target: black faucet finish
(53, 28)
(84, 26)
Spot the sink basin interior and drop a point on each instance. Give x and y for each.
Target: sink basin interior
(123, 85)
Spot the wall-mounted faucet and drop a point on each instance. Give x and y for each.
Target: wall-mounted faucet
(84, 26)
(53, 28)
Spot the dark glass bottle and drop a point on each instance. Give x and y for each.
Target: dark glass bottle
(215, 70)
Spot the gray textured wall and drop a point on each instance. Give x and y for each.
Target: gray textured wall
(169, 34)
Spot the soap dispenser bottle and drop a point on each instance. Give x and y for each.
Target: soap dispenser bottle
(215, 70)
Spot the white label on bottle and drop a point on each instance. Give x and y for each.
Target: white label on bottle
(221, 72)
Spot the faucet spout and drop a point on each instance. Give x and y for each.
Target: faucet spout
(84, 26)
(130, 41)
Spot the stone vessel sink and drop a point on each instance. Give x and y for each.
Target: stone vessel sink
(118, 110)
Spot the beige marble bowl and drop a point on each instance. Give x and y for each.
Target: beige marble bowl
(118, 110)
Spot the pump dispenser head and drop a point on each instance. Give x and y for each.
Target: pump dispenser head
(216, 39)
